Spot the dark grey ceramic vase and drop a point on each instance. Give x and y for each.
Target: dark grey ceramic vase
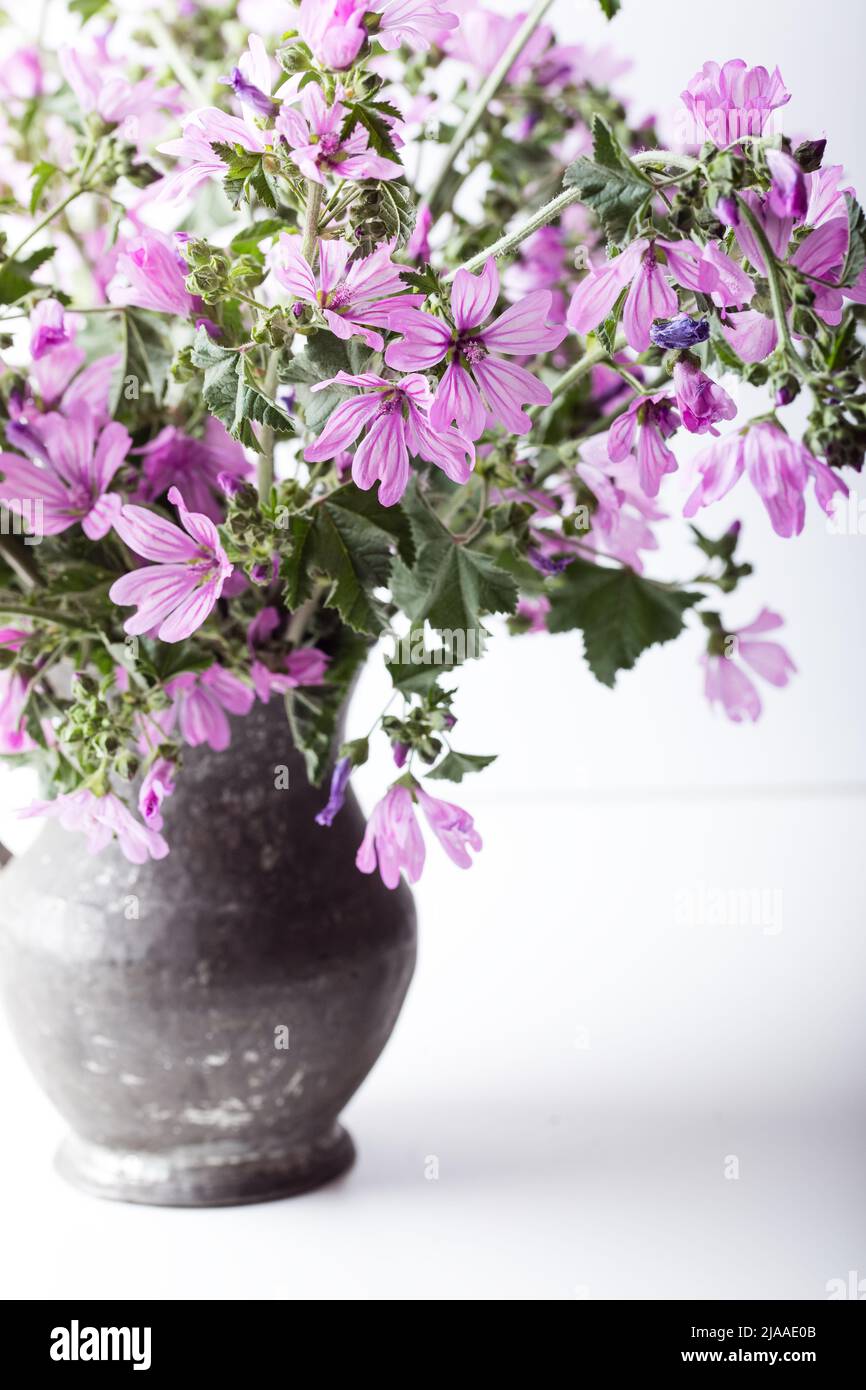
(201, 1022)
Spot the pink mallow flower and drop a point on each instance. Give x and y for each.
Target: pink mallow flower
(157, 784)
(355, 299)
(642, 431)
(728, 684)
(102, 819)
(477, 380)
(396, 417)
(393, 838)
(151, 274)
(788, 195)
(201, 703)
(334, 30)
(68, 472)
(314, 135)
(13, 698)
(306, 666)
(731, 101)
(414, 23)
(700, 401)
(49, 328)
(533, 612)
(176, 594)
(707, 269)
(778, 467)
(453, 827)
(202, 468)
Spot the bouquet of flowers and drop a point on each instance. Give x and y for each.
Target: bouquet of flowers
(280, 395)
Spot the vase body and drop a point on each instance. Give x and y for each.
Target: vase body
(201, 1021)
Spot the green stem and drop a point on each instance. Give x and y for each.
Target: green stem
(265, 466)
(162, 39)
(482, 100)
(14, 552)
(47, 615)
(666, 159)
(772, 269)
(311, 221)
(49, 217)
(512, 239)
(578, 370)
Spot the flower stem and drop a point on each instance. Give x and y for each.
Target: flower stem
(482, 100)
(578, 370)
(311, 220)
(667, 159)
(163, 40)
(512, 239)
(773, 280)
(265, 465)
(49, 217)
(14, 552)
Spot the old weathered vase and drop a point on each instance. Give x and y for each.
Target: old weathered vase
(201, 1022)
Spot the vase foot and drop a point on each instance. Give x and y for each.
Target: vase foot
(220, 1173)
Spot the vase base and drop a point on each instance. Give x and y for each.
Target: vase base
(221, 1173)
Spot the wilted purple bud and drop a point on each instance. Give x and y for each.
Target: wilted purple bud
(735, 528)
(450, 721)
(681, 332)
(543, 563)
(788, 195)
(401, 752)
(249, 94)
(809, 154)
(261, 574)
(784, 395)
(230, 484)
(727, 211)
(337, 795)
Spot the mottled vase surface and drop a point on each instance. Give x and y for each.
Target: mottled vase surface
(201, 1021)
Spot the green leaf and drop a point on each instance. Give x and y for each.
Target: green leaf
(324, 356)
(245, 175)
(246, 242)
(454, 766)
(41, 173)
(145, 357)
(619, 613)
(856, 255)
(314, 711)
(610, 185)
(372, 116)
(350, 540)
(449, 586)
(16, 275)
(87, 8)
(610, 7)
(231, 392)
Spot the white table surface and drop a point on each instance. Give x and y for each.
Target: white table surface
(582, 1062)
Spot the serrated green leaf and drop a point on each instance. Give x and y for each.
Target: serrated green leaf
(855, 258)
(620, 614)
(455, 766)
(350, 540)
(610, 184)
(450, 585)
(231, 392)
(16, 276)
(314, 711)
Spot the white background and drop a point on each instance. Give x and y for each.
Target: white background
(582, 1051)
